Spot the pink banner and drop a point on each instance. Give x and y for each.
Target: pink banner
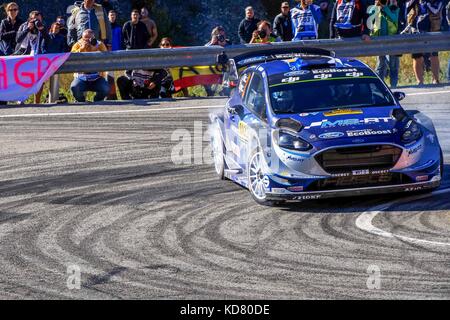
(22, 76)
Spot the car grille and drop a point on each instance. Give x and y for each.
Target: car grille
(372, 157)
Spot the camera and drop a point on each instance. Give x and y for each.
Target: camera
(38, 24)
(93, 41)
(262, 34)
(221, 38)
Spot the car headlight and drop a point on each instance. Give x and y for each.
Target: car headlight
(412, 132)
(289, 141)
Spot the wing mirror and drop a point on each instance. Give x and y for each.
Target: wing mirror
(235, 110)
(399, 95)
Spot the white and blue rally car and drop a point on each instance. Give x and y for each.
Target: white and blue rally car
(308, 125)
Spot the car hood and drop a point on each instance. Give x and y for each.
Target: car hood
(352, 125)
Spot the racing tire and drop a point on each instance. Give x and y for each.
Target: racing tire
(255, 178)
(218, 150)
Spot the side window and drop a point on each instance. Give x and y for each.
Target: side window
(243, 82)
(254, 98)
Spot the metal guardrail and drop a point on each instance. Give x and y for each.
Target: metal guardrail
(198, 56)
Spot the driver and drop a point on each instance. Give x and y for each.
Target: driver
(284, 101)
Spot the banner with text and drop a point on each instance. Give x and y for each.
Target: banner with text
(22, 76)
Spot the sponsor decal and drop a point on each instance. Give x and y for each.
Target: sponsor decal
(296, 73)
(354, 74)
(380, 171)
(341, 112)
(367, 132)
(334, 70)
(325, 123)
(323, 76)
(308, 197)
(296, 189)
(358, 140)
(243, 130)
(278, 191)
(296, 159)
(415, 149)
(411, 189)
(290, 79)
(361, 172)
(331, 135)
(422, 178)
(341, 175)
(306, 114)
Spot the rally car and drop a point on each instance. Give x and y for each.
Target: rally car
(308, 125)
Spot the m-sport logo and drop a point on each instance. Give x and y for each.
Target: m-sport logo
(331, 135)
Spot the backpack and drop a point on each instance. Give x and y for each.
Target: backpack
(99, 13)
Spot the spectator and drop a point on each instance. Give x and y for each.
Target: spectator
(62, 26)
(326, 7)
(263, 33)
(33, 38)
(247, 26)
(116, 31)
(167, 43)
(427, 14)
(151, 26)
(282, 24)
(386, 23)
(348, 19)
(94, 81)
(57, 41)
(9, 28)
(90, 16)
(305, 20)
(135, 34)
(218, 38)
(448, 20)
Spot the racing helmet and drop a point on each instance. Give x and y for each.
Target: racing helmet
(283, 101)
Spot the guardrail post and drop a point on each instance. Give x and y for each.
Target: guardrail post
(54, 89)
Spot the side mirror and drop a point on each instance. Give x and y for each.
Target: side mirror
(399, 95)
(235, 110)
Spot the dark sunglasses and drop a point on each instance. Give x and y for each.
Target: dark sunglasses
(165, 44)
(13, 10)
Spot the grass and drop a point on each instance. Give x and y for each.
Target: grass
(406, 78)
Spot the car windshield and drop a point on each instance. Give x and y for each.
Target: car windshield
(317, 95)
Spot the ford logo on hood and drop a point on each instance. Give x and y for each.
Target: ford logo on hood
(331, 135)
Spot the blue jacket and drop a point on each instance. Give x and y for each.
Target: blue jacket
(117, 43)
(57, 43)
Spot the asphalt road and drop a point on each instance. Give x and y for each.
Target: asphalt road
(94, 187)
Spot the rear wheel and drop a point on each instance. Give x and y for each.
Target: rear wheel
(218, 149)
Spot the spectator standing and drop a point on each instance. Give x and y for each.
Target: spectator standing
(9, 28)
(90, 16)
(386, 14)
(8, 31)
(247, 26)
(282, 24)
(151, 26)
(32, 39)
(448, 20)
(218, 38)
(94, 81)
(116, 44)
(427, 19)
(263, 34)
(57, 41)
(348, 19)
(62, 26)
(135, 34)
(305, 20)
(116, 31)
(326, 7)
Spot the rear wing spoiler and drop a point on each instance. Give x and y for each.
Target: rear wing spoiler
(232, 66)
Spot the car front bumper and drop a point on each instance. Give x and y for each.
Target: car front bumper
(351, 192)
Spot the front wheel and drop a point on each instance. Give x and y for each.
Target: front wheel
(257, 181)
